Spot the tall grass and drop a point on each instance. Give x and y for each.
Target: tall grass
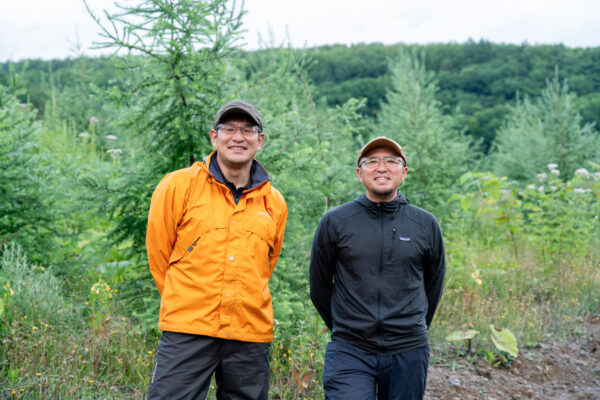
(55, 348)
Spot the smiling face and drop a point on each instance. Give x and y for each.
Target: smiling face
(381, 181)
(237, 150)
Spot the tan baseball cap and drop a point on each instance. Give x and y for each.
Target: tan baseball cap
(381, 141)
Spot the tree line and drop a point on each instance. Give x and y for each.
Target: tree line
(478, 81)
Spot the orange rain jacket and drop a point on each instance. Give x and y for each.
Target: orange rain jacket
(212, 259)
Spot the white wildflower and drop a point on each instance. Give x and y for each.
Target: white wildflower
(552, 166)
(84, 134)
(555, 172)
(597, 175)
(531, 187)
(579, 191)
(541, 188)
(111, 137)
(553, 188)
(114, 152)
(542, 176)
(94, 120)
(582, 172)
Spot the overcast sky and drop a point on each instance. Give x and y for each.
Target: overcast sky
(49, 28)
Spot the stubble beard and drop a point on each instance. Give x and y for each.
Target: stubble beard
(384, 193)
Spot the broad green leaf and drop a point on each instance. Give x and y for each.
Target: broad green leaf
(465, 203)
(461, 335)
(493, 188)
(505, 341)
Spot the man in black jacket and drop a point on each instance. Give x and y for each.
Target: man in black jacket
(376, 277)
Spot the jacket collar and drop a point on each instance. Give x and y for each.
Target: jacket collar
(258, 175)
(390, 207)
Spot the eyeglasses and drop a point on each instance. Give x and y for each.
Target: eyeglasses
(230, 130)
(389, 162)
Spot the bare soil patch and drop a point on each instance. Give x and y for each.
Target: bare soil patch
(568, 370)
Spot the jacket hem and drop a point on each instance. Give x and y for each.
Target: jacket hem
(386, 350)
(242, 337)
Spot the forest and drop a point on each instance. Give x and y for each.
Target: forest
(502, 143)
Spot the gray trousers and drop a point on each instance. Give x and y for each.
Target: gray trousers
(185, 364)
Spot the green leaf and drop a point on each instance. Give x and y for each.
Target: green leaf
(465, 203)
(505, 341)
(1, 307)
(493, 188)
(461, 335)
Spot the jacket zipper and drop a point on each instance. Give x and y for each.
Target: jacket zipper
(393, 245)
(381, 256)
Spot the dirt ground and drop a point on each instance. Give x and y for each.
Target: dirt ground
(567, 370)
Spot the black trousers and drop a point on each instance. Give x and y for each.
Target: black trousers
(185, 364)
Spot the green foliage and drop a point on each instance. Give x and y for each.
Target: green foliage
(175, 52)
(562, 217)
(557, 217)
(494, 198)
(505, 341)
(25, 211)
(49, 351)
(438, 153)
(477, 80)
(456, 336)
(545, 131)
(521, 257)
(341, 73)
(99, 304)
(464, 335)
(296, 360)
(34, 291)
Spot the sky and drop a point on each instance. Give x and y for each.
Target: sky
(49, 29)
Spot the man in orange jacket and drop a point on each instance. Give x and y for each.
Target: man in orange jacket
(214, 235)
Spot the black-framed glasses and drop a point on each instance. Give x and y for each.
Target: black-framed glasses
(230, 130)
(389, 162)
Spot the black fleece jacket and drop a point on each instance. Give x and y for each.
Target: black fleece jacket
(377, 273)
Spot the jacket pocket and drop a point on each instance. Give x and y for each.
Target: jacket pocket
(262, 227)
(403, 250)
(180, 251)
(194, 227)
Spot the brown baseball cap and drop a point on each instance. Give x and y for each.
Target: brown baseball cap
(382, 141)
(238, 106)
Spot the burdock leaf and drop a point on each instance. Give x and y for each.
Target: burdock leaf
(461, 335)
(505, 341)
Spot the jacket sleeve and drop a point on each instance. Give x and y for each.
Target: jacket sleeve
(274, 256)
(322, 268)
(166, 210)
(434, 271)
